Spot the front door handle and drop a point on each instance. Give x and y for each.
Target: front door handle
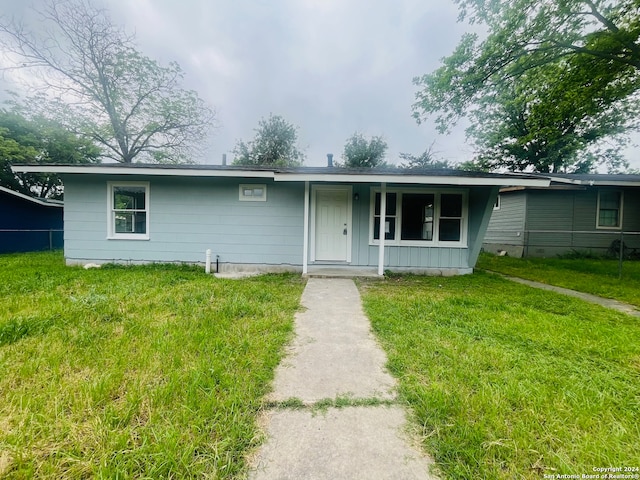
(344, 232)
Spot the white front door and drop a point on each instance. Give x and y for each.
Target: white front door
(332, 225)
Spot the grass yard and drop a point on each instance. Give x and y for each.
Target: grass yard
(506, 381)
(595, 276)
(134, 372)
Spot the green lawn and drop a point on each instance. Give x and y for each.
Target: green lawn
(507, 381)
(595, 276)
(134, 372)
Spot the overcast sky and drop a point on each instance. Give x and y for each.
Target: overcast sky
(331, 67)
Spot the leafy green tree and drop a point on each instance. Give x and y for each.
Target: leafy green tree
(41, 141)
(274, 144)
(517, 129)
(105, 89)
(427, 160)
(548, 87)
(362, 153)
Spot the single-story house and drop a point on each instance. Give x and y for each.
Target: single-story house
(592, 213)
(274, 219)
(29, 224)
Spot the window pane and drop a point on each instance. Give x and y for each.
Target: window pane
(608, 218)
(124, 222)
(610, 200)
(417, 216)
(140, 222)
(449, 230)
(609, 213)
(391, 204)
(390, 228)
(130, 222)
(129, 198)
(451, 205)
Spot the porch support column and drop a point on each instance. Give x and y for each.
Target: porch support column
(305, 242)
(382, 230)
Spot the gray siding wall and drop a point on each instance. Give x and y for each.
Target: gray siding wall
(188, 216)
(549, 211)
(508, 222)
(507, 225)
(572, 213)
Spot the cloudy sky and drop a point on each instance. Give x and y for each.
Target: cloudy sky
(331, 67)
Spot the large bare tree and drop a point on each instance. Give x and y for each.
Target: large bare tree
(98, 84)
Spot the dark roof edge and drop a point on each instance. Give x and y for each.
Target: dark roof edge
(46, 202)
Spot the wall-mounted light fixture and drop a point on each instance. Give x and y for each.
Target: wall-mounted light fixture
(356, 196)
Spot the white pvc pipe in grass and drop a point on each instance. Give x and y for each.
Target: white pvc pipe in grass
(207, 264)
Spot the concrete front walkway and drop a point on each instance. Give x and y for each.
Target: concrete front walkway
(334, 355)
(587, 297)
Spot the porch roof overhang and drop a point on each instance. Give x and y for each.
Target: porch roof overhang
(300, 174)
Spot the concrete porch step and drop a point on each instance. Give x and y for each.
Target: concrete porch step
(332, 271)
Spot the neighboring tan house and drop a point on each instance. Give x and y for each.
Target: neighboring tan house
(29, 224)
(273, 219)
(578, 212)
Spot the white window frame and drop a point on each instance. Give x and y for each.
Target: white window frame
(498, 203)
(253, 187)
(436, 242)
(111, 220)
(620, 211)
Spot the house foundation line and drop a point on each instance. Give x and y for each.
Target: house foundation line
(382, 229)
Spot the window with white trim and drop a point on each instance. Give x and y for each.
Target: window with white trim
(498, 204)
(390, 217)
(609, 209)
(128, 210)
(253, 193)
(420, 218)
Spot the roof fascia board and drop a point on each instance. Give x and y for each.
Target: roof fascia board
(614, 183)
(412, 179)
(180, 172)
(573, 181)
(550, 187)
(287, 177)
(596, 183)
(30, 199)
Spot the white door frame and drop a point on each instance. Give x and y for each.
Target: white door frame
(314, 205)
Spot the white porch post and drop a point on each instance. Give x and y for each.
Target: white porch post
(305, 242)
(382, 230)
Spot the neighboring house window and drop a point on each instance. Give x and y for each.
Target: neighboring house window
(253, 193)
(609, 209)
(496, 206)
(129, 210)
(421, 218)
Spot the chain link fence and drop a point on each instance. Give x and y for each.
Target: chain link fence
(621, 245)
(30, 240)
